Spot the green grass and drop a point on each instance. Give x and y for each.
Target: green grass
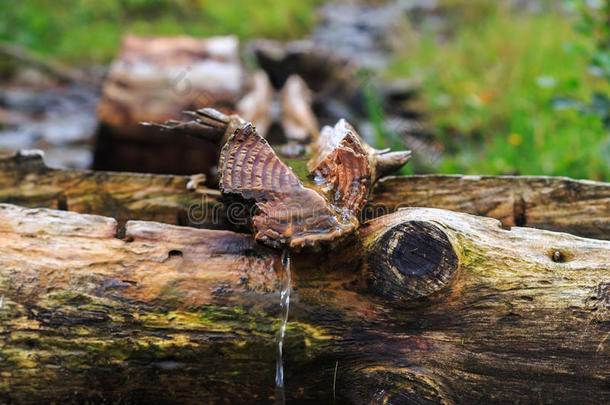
(488, 91)
(90, 30)
(487, 87)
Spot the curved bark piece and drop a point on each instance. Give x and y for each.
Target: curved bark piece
(348, 166)
(345, 174)
(290, 214)
(187, 315)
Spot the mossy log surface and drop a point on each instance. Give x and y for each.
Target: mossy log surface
(420, 306)
(579, 207)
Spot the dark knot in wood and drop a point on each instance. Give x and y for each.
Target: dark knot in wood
(409, 261)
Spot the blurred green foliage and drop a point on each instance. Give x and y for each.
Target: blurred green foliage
(505, 91)
(90, 30)
(489, 84)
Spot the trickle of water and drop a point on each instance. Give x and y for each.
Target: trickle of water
(280, 395)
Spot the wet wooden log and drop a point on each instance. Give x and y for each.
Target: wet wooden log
(420, 306)
(27, 181)
(579, 207)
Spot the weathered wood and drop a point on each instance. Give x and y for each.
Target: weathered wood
(579, 207)
(25, 180)
(185, 315)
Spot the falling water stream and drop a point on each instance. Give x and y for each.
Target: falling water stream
(285, 278)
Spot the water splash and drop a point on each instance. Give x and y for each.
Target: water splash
(285, 278)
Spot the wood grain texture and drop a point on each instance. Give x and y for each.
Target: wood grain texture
(288, 213)
(25, 180)
(579, 207)
(178, 314)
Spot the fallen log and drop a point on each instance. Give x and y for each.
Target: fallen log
(579, 207)
(422, 305)
(27, 181)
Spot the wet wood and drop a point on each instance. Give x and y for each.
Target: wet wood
(177, 314)
(579, 207)
(287, 213)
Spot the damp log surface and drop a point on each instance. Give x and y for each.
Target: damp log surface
(579, 207)
(167, 313)
(27, 181)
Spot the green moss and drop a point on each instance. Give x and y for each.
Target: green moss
(299, 166)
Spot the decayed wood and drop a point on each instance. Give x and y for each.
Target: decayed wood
(288, 213)
(579, 207)
(26, 180)
(180, 314)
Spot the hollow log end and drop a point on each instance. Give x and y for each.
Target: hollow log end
(410, 261)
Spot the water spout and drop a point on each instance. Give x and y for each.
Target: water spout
(285, 279)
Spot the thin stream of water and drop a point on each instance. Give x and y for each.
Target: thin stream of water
(280, 395)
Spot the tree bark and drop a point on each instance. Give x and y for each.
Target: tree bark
(423, 305)
(560, 204)
(26, 180)
(579, 207)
